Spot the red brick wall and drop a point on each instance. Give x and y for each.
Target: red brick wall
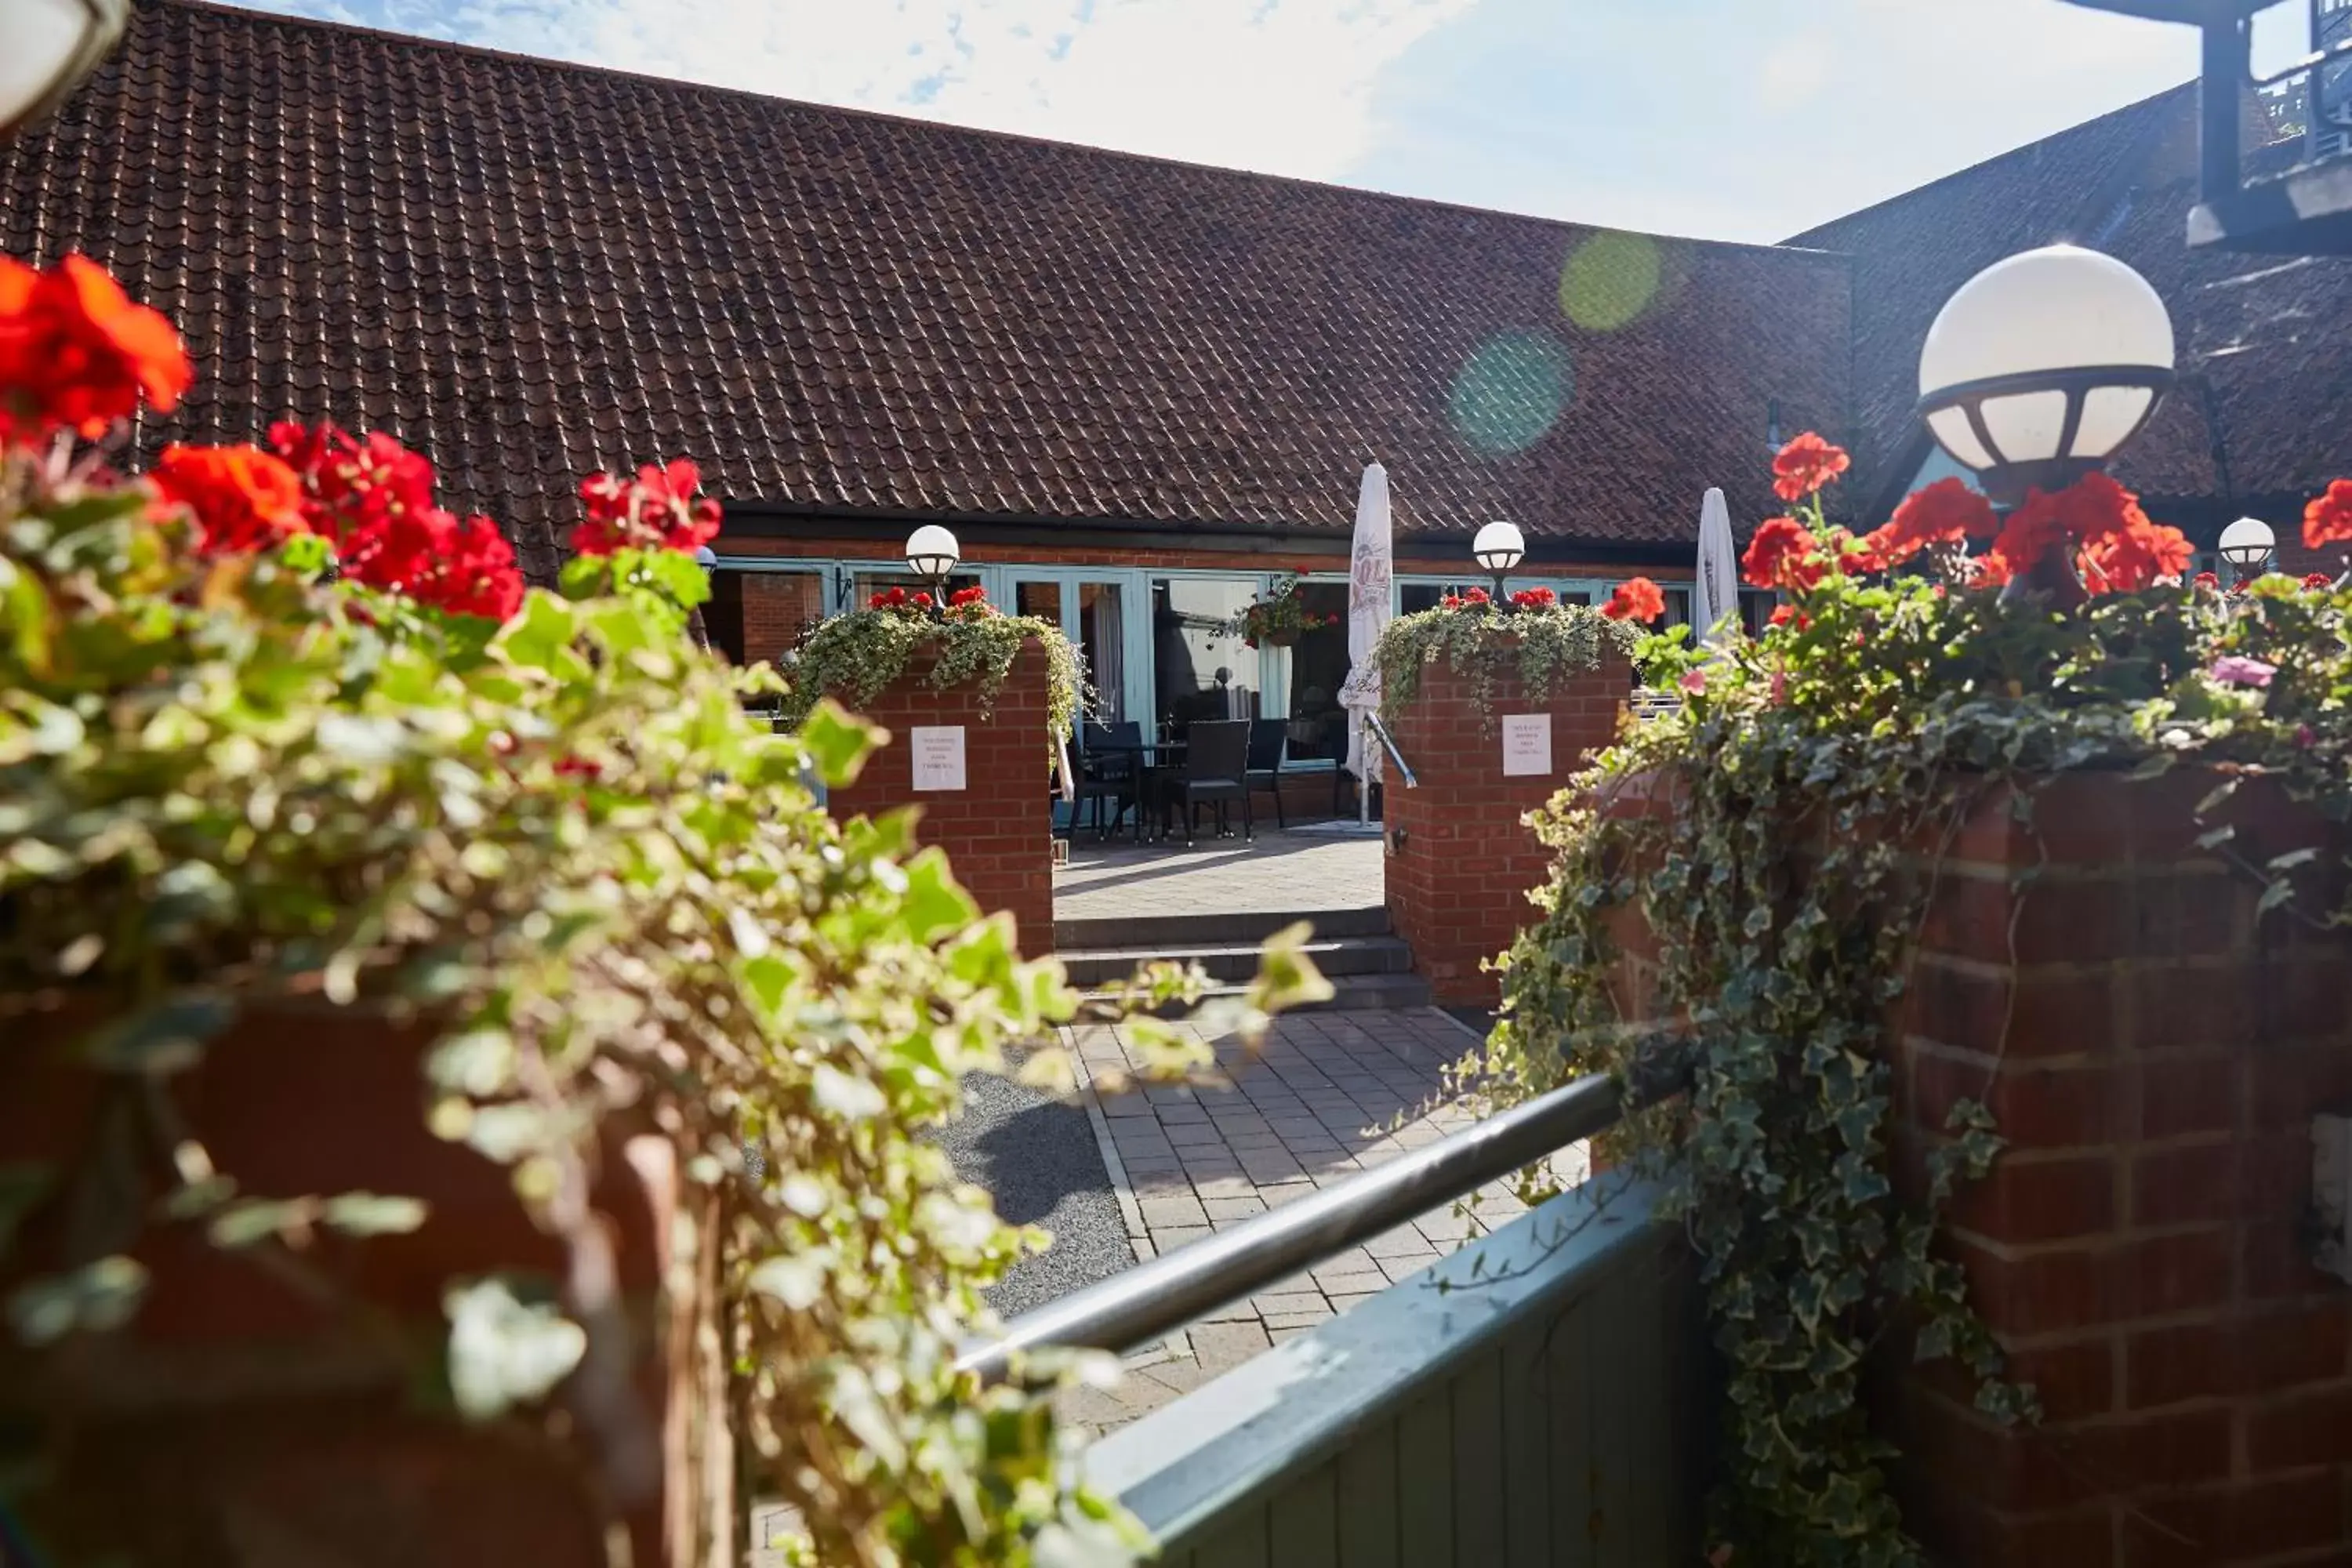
(1461, 861)
(998, 831)
(2154, 1063)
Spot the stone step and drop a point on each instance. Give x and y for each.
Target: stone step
(1221, 929)
(1238, 961)
(1358, 993)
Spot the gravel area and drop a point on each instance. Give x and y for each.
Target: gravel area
(1039, 1157)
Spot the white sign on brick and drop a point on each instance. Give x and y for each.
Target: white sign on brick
(939, 757)
(1527, 745)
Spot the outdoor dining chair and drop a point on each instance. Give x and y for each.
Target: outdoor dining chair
(1266, 739)
(1217, 764)
(1112, 775)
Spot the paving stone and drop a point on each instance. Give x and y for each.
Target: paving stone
(1163, 1213)
(1233, 1208)
(1167, 1238)
(1404, 1241)
(1223, 1346)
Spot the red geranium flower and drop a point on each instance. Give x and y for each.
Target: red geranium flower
(1946, 512)
(1805, 465)
(962, 597)
(2316, 580)
(656, 510)
(1636, 599)
(243, 498)
(922, 601)
(1535, 599)
(1782, 556)
(77, 354)
(2206, 581)
(2329, 518)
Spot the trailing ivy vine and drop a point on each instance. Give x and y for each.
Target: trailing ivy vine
(854, 657)
(1754, 870)
(1542, 644)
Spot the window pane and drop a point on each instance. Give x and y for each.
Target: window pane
(777, 609)
(1043, 600)
(1102, 637)
(1202, 671)
(1319, 666)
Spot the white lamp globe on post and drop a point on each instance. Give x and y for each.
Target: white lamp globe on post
(46, 47)
(1499, 547)
(2038, 371)
(931, 554)
(2246, 545)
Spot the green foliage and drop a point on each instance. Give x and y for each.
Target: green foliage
(854, 657)
(1778, 839)
(1542, 647)
(568, 849)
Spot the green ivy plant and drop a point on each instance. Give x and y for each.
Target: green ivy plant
(856, 655)
(565, 845)
(1543, 644)
(1767, 841)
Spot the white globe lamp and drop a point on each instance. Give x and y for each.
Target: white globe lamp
(2042, 366)
(931, 554)
(46, 47)
(2246, 545)
(1499, 547)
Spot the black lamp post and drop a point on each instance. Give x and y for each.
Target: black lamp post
(2037, 371)
(1499, 547)
(47, 47)
(2308, 210)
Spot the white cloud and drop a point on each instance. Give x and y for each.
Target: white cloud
(1282, 85)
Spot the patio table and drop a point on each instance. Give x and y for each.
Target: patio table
(1153, 759)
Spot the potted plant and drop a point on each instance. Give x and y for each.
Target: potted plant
(1279, 619)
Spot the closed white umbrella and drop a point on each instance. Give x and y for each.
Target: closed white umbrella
(1716, 596)
(1371, 574)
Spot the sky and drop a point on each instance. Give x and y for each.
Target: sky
(1747, 119)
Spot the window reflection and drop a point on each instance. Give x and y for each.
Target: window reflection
(1318, 666)
(1202, 671)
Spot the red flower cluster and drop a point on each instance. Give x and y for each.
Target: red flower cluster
(1783, 554)
(2206, 582)
(1805, 465)
(1534, 599)
(2329, 518)
(243, 498)
(1468, 599)
(2122, 549)
(372, 498)
(1636, 599)
(2315, 581)
(76, 353)
(971, 604)
(1946, 512)
(656, 510)
(900, 600)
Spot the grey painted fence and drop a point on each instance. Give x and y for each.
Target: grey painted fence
(1548, 1408)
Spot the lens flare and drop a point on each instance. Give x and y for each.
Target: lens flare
(1609, 281)
(1511, 391)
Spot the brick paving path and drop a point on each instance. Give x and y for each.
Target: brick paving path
(1277, 871)
(1331, 1095)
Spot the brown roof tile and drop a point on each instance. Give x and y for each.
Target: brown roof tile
(527, 268)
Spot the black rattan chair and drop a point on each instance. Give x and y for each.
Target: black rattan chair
(1215, 772)
(1109, 775)
(1266, 739)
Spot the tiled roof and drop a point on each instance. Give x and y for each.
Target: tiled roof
(529, 270)
(2264, 345)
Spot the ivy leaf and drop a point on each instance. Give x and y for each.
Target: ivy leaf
(370, 1213)
(2292, 859)
(503, 1351)
(838, 743)
(540, 637)
(2275, 895)
(933, 903)
(96, 1298)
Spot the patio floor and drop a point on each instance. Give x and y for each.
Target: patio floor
(1281, 873)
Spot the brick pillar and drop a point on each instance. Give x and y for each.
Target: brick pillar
(998, 830)
(2155, 1062)
(1461, 861)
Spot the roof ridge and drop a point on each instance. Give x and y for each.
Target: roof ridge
(1972, 170)
(426, 41)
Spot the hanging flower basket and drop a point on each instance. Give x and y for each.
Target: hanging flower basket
(1279, 619)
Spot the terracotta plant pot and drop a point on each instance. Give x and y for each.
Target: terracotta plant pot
(275, 1403)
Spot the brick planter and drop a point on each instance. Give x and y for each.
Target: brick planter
(998, 829)
(246, 1411)
(1461, 861)
(2155, 1062)
(2154, 1059)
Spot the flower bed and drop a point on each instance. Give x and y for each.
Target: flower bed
(1764, 860)
(1539, 641)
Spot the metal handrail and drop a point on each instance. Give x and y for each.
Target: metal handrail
(1387, 743)
(1158, 1297)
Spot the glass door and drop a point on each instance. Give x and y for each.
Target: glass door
(1097, 610)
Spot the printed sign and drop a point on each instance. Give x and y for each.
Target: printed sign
(939, 757)
(1527, 745)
